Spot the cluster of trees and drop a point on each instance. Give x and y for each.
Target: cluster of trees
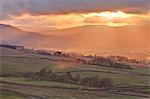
(109, 59)
(96, 82)
(45, 74)
(121, 65)
(66, 54)
(106, 62)
(12, 46)
(103, 61)
(68, 77)
(58, 53)
(126, 59)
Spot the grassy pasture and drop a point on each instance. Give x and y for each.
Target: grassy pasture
(15, 62)
(46, 93)
(38, 82)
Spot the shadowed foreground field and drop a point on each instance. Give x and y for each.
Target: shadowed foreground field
(133, 84)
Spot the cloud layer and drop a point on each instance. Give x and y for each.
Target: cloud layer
(44, 7)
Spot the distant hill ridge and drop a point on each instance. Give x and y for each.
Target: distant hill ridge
(85, 39)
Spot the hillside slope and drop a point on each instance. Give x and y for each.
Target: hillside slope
(131, 42)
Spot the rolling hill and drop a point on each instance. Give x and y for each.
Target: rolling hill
(15, 63)
(12, 35)
(108, 37)
(131, 41)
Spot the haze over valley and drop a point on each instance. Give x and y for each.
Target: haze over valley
(74, 49)
(125, 41)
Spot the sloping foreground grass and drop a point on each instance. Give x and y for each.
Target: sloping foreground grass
(11, 65)
(145, 70)
(10, 95)
(118, 79)
(24, 65)
(59, 86)
(38, 82)
(51, 93)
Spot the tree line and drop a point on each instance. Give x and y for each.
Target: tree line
(105, 62)
(69, 77)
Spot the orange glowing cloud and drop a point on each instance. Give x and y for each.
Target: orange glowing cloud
(108, 18)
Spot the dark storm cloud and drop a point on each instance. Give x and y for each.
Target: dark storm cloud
(44, 7)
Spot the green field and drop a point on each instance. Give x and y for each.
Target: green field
(10, 95)
(49, 91)
(38, 82)
(18, 62)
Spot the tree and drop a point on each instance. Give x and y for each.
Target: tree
(90, 81)
(106, 83)
(50, 72)
(43, 71)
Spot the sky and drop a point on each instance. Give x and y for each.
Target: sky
(107, 23)
(60, 14)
